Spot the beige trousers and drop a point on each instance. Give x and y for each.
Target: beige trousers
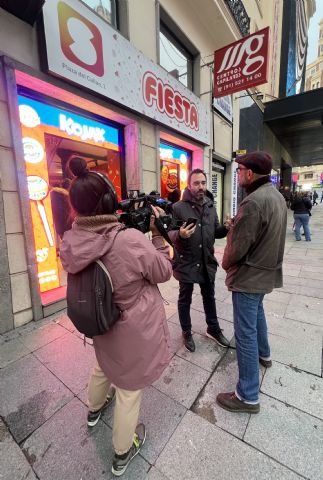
(126, 410)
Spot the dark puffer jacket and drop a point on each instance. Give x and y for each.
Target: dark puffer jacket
(192, 254)
(301, 205)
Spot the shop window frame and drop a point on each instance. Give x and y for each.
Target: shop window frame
(175, 35)
(40, 97)
(114, 13)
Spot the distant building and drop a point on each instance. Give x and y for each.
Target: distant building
(314, 70)
(308, 178)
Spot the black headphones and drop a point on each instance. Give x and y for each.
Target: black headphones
(109, 200)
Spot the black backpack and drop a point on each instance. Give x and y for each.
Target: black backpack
(90, 304)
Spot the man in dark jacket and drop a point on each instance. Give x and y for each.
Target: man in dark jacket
(253, 261)
(194, 260)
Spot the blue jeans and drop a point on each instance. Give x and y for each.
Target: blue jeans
(250, 330)
(302, 219)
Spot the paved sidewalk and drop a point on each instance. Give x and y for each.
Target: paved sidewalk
(44, 369)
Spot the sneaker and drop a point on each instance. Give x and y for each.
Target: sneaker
(229, 401)
(188, 341)
(265, 363)
(219, 338)
(121, 462)
(94, 417)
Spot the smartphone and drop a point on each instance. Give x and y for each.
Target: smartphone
(191, 221)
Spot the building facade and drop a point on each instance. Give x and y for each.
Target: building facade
(125, 84)
(314, 70)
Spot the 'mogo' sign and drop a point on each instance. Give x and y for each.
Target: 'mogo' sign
(242, 64)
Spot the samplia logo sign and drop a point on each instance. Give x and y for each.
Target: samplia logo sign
(81, 40)
(242, 64)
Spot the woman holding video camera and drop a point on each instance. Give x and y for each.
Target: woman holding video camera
(134, 353)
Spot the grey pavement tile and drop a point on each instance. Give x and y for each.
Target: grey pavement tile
(176, 340)
(199, 324)
(170, 309)
(207, 354)
(69, 360)
(317, 254)
(307, 302)
(296, 388)
(289, 436)
(301, 281)
(295, 344)
(64, 448)
(274, 307)
(65, 322)
(11, 350)
(224, 379)
(41, 336)
(225, 311)
(14, 465)
(161, 415)
(311, 268)
(155, 474)
(182, 381)
(304, 314)
(291, 270)
(312, 276)
(29, 395)
(199, 450)
(279, 296)
(302, 290)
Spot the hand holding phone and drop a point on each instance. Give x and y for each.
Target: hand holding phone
(191, 221)
(187, 230)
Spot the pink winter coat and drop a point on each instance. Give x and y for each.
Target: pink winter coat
(134, 353)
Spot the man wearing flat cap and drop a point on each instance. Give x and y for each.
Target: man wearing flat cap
(253, 260)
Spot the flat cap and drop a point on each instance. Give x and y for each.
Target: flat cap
(258, 162)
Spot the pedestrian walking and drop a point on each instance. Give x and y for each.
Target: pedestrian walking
(302, 211)
(315, 195)
(253, 260)
(194, 260)
(135, 351)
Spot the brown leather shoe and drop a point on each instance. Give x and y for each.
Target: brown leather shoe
(229, 401)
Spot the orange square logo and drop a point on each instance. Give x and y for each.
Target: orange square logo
(81, 40)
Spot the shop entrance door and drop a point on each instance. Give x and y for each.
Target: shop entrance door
(51, 136)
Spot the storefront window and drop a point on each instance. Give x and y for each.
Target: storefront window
(105, 8)
(51, 135)
(174, 168)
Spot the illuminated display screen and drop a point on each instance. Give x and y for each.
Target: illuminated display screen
(175, 165)
(49, 136)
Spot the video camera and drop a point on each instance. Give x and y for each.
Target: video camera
(137, 212)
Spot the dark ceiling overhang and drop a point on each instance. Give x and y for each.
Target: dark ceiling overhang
(297, 123)
(26, 10)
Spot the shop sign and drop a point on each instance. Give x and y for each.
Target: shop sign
(224, 106)
(85, 132)
(234, 189)
(33, 150)
(84, 49)
(242, 64)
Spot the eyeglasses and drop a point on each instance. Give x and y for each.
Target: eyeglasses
(239, 169)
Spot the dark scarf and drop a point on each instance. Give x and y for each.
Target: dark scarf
(257, 183)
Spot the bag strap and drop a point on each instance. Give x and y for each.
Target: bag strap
(106, 271)
(101, 264)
